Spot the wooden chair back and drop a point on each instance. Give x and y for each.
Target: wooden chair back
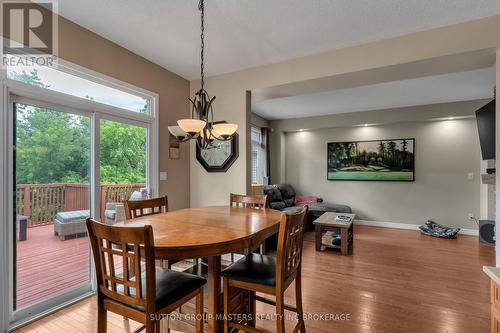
(248, 201)
(138, 208)
(117, 257)
(290, 239)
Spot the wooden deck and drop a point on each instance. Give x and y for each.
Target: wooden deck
(47, 266)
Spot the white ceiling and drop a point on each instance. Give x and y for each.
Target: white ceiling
(246, 33)
(476, 84)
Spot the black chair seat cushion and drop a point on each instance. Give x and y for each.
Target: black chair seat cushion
(254, 268)
(171, 286)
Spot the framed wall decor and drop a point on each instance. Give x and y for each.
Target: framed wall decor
(375, 160)
(219, 158)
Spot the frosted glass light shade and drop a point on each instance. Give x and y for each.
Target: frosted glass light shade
(177, 132)
(191, 126)
(225, 130)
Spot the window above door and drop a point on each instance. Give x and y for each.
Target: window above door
(71, 81)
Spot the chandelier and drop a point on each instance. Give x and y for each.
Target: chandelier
(201, 126)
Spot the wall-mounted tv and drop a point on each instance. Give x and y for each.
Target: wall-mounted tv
(377, 160)
(485, 118)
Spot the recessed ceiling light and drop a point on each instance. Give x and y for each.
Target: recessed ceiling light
(450, 118)
(365, 125)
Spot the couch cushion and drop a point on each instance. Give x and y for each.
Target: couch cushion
(278, 205)
(328, 207)
(287, 192)
(289, 202)
(292, 210)
(273, 193)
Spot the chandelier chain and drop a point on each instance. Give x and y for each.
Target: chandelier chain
(201, 7)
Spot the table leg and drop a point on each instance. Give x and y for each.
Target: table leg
(344, 241)
(318, 237)
(214, 268)
(351, 235)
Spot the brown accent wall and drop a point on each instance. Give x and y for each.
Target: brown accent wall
(85, 48)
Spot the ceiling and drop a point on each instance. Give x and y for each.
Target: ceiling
(462, 86)
(247, 33)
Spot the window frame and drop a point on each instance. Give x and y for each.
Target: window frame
(81, 72)
(13, 90)
(261, 155)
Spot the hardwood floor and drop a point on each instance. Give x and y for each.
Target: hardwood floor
(396, 281)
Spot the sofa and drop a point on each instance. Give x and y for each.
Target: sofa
(283, 197)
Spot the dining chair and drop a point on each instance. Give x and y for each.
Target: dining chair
(140, 292)
(138, 208)
(249, 201)
(271, 276)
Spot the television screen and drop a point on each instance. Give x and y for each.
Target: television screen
(485, 118)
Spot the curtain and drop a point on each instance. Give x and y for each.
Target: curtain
(265, 147)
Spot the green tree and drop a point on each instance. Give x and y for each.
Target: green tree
(122, 153)
(54, 147)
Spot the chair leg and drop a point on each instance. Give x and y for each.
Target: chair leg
(232, 258)
(263, 248)
(102, 314)
(226, 304)
(298, 302)
(157, 323)
(280, 313)
(150, 326)
(199, 312)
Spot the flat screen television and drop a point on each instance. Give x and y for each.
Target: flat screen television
(485, 118)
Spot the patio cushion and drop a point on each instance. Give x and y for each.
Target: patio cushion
(70, 216)
(136, 195)
(110, 214)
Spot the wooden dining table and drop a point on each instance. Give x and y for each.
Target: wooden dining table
(209, 232)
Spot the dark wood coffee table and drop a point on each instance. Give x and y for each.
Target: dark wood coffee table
(327, 222)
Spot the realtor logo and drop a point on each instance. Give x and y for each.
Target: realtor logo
(29, 31)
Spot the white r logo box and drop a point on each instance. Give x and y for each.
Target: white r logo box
(28, 26)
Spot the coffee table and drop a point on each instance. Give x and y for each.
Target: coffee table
(327, 222)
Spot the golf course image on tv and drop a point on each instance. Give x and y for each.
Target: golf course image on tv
(377, 160)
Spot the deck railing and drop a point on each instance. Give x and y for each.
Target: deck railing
(41, 202)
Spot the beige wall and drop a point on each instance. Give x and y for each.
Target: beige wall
(446, 151)
(230, 88)
(85, 48)
(258, 121)
(387, 116)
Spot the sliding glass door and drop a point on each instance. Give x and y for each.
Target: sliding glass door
(52, 200)
(57, 152)
(77, 145)
(123, 166)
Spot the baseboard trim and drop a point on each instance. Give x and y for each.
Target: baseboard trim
(395, 225)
